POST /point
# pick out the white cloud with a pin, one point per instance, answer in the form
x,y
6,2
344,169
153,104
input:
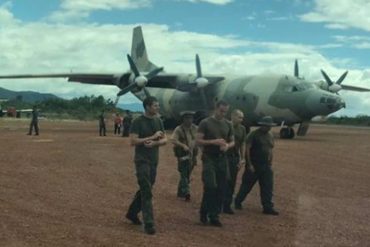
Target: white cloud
x,y
72,10
341,14
103,4
218,2
59,48
358,42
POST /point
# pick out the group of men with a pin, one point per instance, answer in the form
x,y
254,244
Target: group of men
x,y
119,123
226,148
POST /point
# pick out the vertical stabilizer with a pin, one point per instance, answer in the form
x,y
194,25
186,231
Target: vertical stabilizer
x,y
138,51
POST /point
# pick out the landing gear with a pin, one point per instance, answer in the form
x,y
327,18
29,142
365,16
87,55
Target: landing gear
x,y
287,133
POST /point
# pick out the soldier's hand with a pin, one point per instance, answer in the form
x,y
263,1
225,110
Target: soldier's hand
x,y
149,144
224,147
158,135
251,168
220,142
186,148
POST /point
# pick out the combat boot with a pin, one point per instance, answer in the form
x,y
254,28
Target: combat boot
x,y
149,229
270,211
133,218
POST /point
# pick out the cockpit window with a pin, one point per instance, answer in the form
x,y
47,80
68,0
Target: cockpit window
x,y
299,87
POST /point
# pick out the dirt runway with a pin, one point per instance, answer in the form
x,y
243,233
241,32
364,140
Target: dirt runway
x,y
70,187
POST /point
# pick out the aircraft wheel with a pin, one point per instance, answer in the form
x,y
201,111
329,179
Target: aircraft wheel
x,y
284,133
287,133
291,133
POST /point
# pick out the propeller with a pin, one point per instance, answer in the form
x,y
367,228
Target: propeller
x,y
200,81
334,87
138,81
296,69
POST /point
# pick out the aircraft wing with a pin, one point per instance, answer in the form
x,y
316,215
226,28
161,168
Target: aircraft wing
x,y
353,88
171,81
104,79
179,82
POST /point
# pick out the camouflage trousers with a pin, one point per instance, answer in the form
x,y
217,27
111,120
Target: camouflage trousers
x,y
214,182
185,168
233,162
265,178
146,172
34,125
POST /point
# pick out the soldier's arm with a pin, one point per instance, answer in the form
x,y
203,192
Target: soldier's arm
x,y
175,140
161,141
202,142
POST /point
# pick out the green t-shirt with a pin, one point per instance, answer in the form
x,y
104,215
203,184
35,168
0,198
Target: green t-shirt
x,y
212,128
240,136
145,127
261,145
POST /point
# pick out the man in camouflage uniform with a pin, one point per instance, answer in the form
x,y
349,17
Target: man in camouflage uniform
x,y
34,122
147,134
259,145
216,136
236,158
185,150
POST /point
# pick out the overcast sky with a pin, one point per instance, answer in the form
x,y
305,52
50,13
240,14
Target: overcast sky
x,y
231,36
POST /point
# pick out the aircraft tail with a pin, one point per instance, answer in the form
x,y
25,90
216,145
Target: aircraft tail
x,y
138,51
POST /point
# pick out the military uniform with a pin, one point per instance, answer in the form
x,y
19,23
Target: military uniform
x,y
146,161
214,166
34,123
233,156
185,160
261,145
102,129
126,125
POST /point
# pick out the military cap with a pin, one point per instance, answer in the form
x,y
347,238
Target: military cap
x,y
186,113
266,121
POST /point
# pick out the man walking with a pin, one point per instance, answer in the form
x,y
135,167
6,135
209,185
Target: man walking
x,y
147,134
185,150
235,157
216,136
258,155
34,122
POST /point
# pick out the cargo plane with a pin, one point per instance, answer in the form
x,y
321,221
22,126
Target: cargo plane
x,y
289,99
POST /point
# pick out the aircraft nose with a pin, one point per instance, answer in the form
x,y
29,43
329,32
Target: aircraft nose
x,y
324,104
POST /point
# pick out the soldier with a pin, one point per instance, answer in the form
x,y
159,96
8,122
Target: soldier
x,y
235,157
102,130
147,134
126,124
185,151
34,122
259,145
216,136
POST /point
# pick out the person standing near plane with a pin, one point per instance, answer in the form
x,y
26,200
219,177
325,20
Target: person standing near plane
x,y
216,136
117,124
102,129
34,122
259,145
126,124
185,150
235,157
147,134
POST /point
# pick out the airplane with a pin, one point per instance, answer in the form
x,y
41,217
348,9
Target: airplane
x,y
289,100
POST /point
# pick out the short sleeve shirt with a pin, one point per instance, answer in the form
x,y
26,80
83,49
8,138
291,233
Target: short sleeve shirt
x,y
145,127
240,136
212,128
261,145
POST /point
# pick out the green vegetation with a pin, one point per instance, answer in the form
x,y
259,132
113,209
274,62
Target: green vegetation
x,y
82,108
360,120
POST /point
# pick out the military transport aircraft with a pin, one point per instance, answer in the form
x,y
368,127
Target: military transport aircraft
x,y
288,99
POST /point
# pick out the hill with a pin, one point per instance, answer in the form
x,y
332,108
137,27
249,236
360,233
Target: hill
x,y
25,96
